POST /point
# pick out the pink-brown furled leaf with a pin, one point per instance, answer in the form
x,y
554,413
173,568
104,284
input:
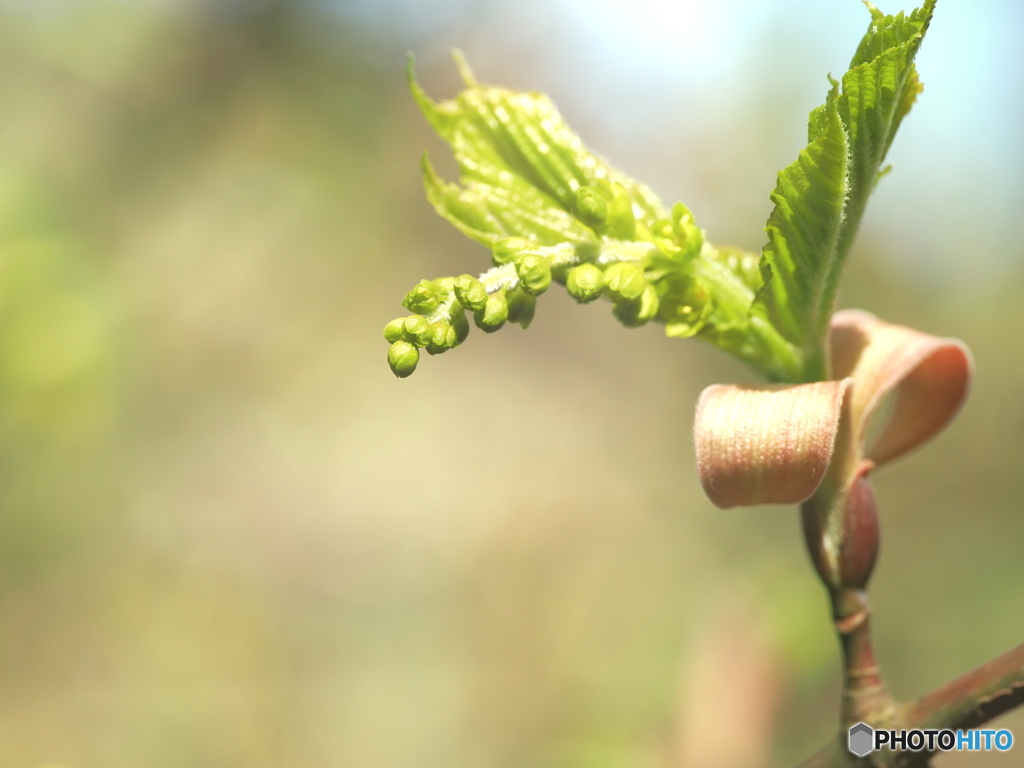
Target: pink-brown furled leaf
x,y
929,378
767,444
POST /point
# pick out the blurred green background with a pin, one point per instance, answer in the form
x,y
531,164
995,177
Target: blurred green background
x,y
229,537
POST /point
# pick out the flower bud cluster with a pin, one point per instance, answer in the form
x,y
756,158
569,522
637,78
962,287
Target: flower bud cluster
x,y
438,321
643,269
522,271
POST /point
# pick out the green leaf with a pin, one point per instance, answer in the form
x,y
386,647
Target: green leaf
x,y
489,213
820,199
521,168
805,226
878,91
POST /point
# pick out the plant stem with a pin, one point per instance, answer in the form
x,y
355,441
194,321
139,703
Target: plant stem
x,y
841,531
973,699
865,696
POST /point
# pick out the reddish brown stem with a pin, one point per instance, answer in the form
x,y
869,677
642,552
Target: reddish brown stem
x,y
970,700
865,696
842,534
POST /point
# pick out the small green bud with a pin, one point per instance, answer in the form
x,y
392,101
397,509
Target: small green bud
x,y
685,307
521,307
664,236
662,228
470,292
526,315
395,330
606,207
621,222
403,357
424,298
534,274
442,338
637,312
493,315
627,312
508,250
418,330
461,326
689,236
585,282
590,207
649,304
625,281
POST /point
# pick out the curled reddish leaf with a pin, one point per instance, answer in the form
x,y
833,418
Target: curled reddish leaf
x,y
766,445
928,376
774,444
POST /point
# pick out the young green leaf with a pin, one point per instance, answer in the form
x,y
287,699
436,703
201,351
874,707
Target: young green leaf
x,y
522,168
804,229
820,198
878,91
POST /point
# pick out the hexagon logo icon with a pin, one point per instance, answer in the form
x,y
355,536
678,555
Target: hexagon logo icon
x,y
861,739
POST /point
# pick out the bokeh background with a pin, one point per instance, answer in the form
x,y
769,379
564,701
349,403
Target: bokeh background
x,y
229,537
